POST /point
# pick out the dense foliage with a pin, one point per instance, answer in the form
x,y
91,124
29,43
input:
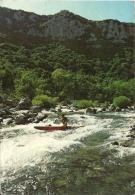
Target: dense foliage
x,y
55,70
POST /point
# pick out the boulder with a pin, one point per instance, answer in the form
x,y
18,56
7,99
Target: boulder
x,y
1,119
111,107
90,110
24,112
36,108
52,110
41,117
118,109
58,109
103,109
24,104
133,107
2,112
56,121
20,119
12,110
73,108
9,103
30,120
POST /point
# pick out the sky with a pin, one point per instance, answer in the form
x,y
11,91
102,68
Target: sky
x,y
124,11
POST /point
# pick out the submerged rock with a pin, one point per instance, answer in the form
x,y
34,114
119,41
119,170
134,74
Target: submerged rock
x,y
127,143
133,128
115,143
8,121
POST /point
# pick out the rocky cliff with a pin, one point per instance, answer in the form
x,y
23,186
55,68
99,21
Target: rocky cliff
x,y
63,26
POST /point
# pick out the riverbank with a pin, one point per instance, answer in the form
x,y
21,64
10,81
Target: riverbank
x,y
22,112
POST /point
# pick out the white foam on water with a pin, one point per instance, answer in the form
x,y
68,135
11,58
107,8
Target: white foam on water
x,y
32,146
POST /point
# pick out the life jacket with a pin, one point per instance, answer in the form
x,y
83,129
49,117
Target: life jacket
x,y
64,119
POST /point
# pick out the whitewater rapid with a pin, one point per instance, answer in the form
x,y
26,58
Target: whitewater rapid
x,y
23,145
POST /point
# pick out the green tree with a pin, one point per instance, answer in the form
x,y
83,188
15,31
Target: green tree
x,y
6,74
62,82
26,84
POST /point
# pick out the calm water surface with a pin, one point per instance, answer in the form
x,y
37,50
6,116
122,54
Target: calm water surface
x,y
75,162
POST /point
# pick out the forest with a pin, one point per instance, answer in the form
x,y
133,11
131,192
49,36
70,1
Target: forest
x,y
57,71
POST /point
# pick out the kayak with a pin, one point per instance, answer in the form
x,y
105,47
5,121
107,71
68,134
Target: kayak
x,y
53,128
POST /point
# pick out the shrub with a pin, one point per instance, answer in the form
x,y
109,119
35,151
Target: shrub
x,y
105,104
85,103
44,100
121,102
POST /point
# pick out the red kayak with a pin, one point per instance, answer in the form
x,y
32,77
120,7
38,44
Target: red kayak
x,y
53,128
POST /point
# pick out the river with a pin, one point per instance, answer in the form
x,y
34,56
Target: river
x,y
74,162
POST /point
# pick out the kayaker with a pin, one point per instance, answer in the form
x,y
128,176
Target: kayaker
x,y
64,120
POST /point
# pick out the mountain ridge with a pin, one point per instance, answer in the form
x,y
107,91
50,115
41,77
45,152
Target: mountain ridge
x,y
64,25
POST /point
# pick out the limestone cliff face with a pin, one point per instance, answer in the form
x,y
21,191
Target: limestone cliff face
x,y
64,25
116,30
61,26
